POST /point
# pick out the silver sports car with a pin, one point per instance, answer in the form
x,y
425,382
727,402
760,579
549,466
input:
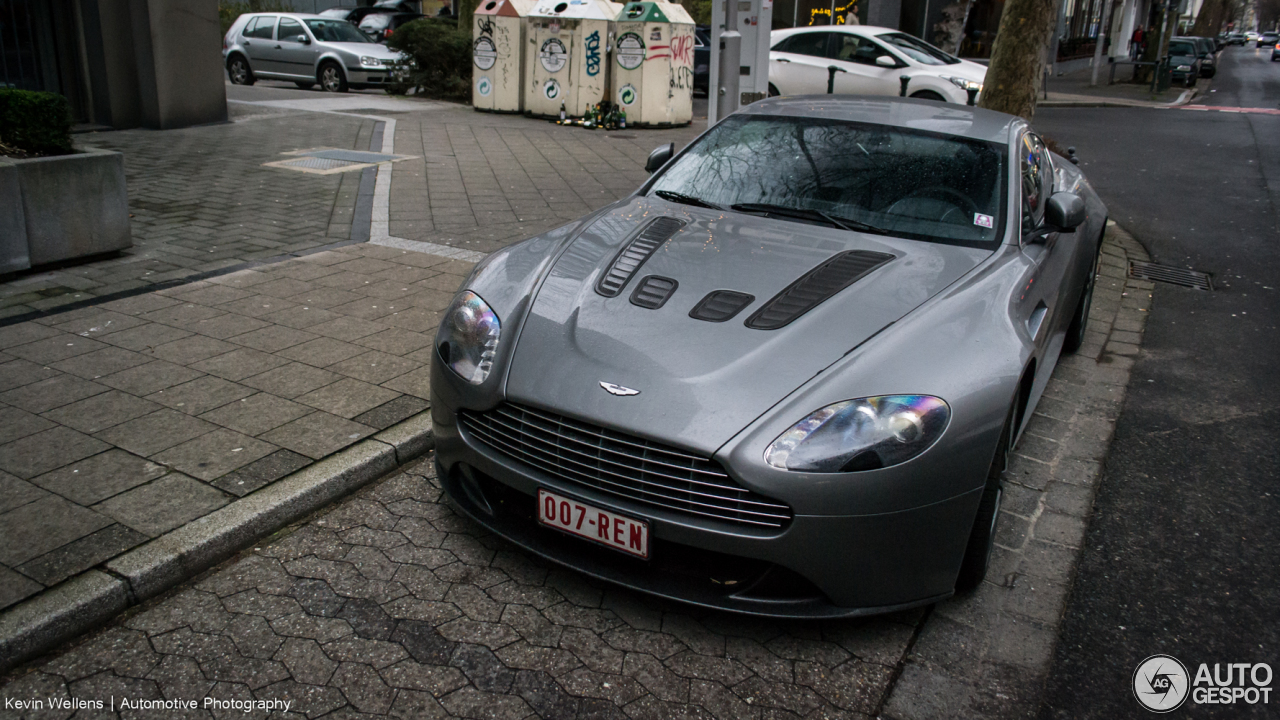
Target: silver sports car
x,y
784,376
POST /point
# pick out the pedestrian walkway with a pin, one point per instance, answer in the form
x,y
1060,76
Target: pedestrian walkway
x,y
1074,89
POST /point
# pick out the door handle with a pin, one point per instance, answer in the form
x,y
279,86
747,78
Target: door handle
x,y
278,47
783,60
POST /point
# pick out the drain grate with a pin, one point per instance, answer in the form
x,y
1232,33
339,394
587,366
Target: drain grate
x,y
326,161
1171,275
318,163
354,156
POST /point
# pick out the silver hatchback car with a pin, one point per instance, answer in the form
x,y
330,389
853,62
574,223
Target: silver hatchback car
x,y
306,49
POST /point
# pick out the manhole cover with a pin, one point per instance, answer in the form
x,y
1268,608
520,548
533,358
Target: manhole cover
x,y
1172,275
319,163
354,156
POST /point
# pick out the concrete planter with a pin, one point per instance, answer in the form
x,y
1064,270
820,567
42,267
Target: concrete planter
x,y
60,208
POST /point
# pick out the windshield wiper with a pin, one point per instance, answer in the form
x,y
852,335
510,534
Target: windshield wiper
x,y
810,214
686,199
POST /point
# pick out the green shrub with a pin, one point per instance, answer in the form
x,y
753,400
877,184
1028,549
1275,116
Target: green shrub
x,y
229,10
35,122
439,59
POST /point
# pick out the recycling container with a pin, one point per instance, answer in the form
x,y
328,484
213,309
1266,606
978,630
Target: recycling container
x,y
497,85
566,55
653,64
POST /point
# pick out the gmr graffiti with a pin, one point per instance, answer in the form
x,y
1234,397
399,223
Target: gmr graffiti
x,y
593,53
682,50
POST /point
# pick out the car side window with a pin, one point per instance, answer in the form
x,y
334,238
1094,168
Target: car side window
x,y
261,27
810,43
1037,181
290,29
851,48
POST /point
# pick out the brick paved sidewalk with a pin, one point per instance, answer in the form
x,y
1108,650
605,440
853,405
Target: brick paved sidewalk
x,y
392,605
122,421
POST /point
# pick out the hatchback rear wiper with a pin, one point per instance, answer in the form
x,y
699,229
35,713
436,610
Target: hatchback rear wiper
x,y
810,214
686,199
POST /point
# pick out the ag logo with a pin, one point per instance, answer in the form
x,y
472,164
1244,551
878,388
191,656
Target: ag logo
x,y
1161,683
551,89
485,53
484,86
627,95
553,55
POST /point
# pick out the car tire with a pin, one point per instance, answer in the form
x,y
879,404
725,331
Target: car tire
x,y
304,85
773,90
928,95
331,78
982,539
239,71
1080,320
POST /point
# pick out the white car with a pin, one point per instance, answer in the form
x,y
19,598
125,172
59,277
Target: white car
x,y
873,60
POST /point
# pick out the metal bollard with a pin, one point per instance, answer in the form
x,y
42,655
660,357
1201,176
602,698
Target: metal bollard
x,y
973,96
831,78
904,80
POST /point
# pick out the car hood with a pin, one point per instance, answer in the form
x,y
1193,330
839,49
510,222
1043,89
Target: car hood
x,y
702,382
382,52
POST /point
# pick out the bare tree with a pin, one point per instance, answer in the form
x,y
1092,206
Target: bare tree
x,y
1210,20
1017,58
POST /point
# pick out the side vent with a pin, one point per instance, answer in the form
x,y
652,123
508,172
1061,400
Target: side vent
x,y
833,275
653,292
635,253
720,305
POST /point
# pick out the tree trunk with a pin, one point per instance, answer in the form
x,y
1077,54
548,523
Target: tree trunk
x,y
1209,20
1017,58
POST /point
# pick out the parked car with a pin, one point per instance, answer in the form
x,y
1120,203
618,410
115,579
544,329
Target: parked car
x,y
870,61
702,59
1268,39
1206,50
1184,61
812,420
306,49
381,26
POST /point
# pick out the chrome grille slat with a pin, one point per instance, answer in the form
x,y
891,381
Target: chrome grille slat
x,y
647,461
622,465
533,448
646,496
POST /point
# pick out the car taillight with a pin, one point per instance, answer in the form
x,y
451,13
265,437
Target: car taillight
x,y
387,33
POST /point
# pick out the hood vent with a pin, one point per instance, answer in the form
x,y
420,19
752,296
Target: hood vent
x,y
653,292
720,305
833,275
635,253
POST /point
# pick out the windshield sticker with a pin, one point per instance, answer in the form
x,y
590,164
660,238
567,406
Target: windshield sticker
x,y
985,221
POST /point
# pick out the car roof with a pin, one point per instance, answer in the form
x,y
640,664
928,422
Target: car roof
x,y
867,30
300,16
928,115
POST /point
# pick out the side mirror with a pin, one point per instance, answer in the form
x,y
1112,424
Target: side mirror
x,y
885,61
659,157
1064,212
304,39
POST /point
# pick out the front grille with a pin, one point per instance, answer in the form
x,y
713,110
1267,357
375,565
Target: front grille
x,y
622,465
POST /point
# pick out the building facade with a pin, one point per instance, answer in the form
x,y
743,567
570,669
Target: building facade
x,y
120,63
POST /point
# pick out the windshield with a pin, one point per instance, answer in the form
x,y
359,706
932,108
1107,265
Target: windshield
x,y
376,21
918,50
908,183
1181,48
336,31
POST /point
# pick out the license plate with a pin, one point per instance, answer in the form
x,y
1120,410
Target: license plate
x,y
591,523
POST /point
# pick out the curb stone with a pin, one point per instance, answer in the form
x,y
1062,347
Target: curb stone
x,y
88,600
988,654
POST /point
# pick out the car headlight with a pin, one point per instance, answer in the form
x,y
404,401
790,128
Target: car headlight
x,y
965,84
366,61
1183,68
864,434
468,337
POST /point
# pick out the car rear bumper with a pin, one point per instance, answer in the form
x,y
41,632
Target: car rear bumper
x,y
814,567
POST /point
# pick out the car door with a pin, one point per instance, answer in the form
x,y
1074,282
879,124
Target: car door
x,y
293,56
798,64
1047,298
259,36
856,56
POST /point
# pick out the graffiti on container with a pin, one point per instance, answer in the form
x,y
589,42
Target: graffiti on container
x,y
682,49
681,78
592,45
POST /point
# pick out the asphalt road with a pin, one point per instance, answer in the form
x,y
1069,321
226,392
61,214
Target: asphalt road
x,y
1181,555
